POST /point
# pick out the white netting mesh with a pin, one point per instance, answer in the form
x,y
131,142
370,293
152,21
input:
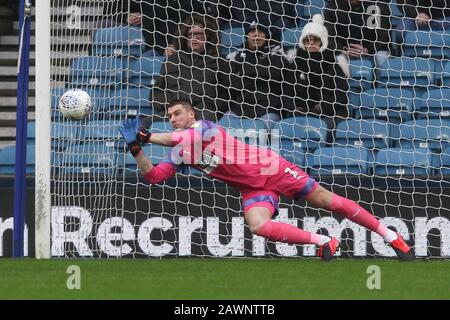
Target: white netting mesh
x,y
368,117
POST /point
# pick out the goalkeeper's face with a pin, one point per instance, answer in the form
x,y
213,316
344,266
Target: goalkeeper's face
x,y
181,117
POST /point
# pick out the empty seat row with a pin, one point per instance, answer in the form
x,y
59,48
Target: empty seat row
x,y
107,71
398,105
102,159
306,133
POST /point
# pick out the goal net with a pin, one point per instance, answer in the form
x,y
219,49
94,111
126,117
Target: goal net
x,y
367,117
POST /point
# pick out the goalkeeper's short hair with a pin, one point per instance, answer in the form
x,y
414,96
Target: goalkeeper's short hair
x,y
184,103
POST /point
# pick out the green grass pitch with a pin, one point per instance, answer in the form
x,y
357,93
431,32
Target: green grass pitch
x,y
223,279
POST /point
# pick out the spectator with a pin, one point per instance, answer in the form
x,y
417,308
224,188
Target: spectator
x,y
425,14
195,73
355,28
159,19
319,79
257,77
274,15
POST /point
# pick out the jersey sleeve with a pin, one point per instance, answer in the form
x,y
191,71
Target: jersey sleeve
x,y
164,170
160,172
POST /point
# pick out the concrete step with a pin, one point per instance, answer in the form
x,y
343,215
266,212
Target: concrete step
x,y
9,120
12,85
62,25
60,40
8,142
9,88
9,58
11,71
9,132
16,26
9,102
13,55
94,10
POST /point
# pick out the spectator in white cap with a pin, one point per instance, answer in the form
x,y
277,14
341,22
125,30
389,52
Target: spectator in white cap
x,y
317,78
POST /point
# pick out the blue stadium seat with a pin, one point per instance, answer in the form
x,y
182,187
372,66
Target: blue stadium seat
x,y
307,133
31,131
428,44
54,101
441,162
252,131
231,39
407,72
143,72
391,104
101,130
299,8
341,160
361,74
236,122
8,159
401,161
433,134
434,104
96,158
312,7
445,72
363,133
64,133
291,36
161,126
293,152
155,152
117,41
395,10
93,71
135,100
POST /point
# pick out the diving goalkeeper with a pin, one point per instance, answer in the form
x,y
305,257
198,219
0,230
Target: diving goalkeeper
x,y
261,176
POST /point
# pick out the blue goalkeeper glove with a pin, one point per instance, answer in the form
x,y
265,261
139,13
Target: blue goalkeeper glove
x,y
129,131
134,135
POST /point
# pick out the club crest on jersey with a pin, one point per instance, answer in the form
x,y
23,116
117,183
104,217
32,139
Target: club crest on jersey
x,y
208,162
294,173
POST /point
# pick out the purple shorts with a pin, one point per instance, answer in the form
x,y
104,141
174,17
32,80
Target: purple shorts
x,y
290,181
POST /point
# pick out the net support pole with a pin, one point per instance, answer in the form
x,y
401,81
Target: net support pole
x,y
43,127
23,65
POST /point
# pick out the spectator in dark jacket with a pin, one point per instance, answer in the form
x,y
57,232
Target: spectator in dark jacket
x,y
359,27
159,18
257,77
195,73
425,14
319,80
272,14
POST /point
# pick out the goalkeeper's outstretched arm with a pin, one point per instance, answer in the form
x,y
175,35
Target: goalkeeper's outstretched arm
x,y
154,174
144,164
134,137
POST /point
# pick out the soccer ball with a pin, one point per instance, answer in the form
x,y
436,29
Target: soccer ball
x,y
75,104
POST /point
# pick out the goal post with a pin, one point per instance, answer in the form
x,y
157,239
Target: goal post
x,y
389,154
43,136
